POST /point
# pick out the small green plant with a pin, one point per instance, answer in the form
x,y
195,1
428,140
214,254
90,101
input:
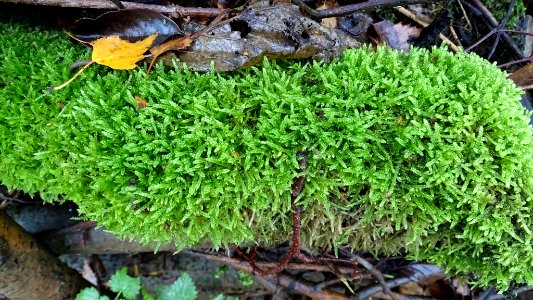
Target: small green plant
x,y
428,153
129,288
245,278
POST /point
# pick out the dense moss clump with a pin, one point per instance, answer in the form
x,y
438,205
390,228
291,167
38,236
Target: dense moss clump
x,y
427,152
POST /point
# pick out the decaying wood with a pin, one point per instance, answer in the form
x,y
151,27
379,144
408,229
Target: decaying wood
x,y
28,271
174,11
90,240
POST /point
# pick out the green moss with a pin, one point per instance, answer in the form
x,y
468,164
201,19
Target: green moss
x,y
499,9
428,152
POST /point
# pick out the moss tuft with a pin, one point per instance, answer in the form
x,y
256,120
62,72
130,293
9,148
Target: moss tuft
x,y
427,152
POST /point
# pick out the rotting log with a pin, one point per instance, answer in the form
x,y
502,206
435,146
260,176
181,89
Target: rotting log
x,y
28,271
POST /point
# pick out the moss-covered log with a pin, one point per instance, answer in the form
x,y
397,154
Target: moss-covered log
x,y
427,152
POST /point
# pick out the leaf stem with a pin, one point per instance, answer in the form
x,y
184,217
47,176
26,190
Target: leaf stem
x,y
52,89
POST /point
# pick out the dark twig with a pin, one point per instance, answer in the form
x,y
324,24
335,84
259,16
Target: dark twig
x,y
518,61
174,11
352,8
481,40
14,199
295,247
518,32
493,23
502,25
316,266
377,274
282,279
486,36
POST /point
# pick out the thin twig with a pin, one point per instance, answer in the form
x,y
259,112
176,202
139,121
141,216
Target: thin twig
x,y
492,32
481,40
13,199
492,22
377,274
174,11
502,25
464,13
455,36
290,266
518,32
282,279
514,62
352,8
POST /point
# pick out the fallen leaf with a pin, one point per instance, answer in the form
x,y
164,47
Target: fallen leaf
x,y
523,77
141,103
327,22
115,53
171,45
406,33
129,24
120,54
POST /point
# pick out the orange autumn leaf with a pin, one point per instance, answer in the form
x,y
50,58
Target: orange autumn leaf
x,y
115,53
176,44
120,54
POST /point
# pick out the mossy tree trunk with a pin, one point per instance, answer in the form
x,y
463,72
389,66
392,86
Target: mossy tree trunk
x,y
28,271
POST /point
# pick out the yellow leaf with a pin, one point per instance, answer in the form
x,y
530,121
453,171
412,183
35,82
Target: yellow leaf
x,y
113,52
120,54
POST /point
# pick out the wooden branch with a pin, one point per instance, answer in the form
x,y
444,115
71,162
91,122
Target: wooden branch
x,y
352,8
174,11
29,271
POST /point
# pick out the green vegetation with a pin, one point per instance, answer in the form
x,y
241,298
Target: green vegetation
x,y
428,152
129,288
499,9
